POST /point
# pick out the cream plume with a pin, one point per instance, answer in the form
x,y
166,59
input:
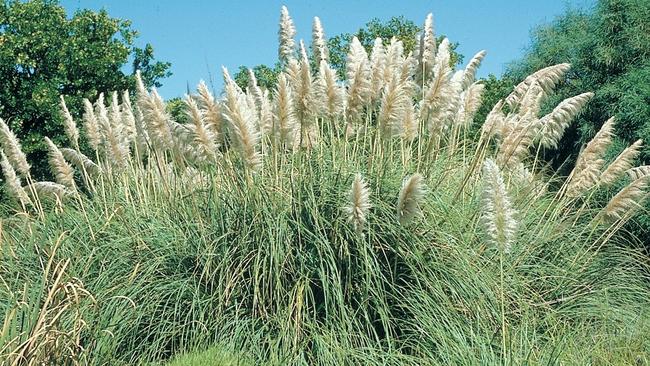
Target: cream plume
x,y
623,162
14,186
393,108
81,161
91,125
204,141
638,172
211,110
469,75
13,150
555,123
470,102
330,93
547,78
586,172
318,42
242,122
497,213
69,126
286,125
410,123
626,201
410,198
286,36
60,168
358,73
427,51
358,203
48,190
128,118
377,66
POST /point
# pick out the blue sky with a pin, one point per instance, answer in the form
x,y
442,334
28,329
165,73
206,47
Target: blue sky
x,y
198,36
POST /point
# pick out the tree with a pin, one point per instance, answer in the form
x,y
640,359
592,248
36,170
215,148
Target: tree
x,y
399,27
45,54
609,50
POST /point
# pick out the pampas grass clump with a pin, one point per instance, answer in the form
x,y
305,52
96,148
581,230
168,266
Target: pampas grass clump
x,y
250,227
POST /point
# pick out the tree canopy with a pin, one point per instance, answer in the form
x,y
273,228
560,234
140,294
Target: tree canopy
x,y
609,51
44,54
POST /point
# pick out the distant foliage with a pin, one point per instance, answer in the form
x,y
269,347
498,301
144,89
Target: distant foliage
x,y
44,54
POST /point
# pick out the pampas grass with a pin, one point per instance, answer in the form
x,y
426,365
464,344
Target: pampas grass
x,y
638,172
13,150
626,201
497,212
61,170
242,122
623,162
227,222
410,199
555,123
69,125
12,182
318,42
358,203
586,172
286,36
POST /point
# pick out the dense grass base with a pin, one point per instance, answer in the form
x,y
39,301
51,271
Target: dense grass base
x,y
268,265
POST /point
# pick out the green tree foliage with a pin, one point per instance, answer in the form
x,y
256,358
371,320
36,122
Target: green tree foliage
x,y
266,76
44,54
609,50
399,27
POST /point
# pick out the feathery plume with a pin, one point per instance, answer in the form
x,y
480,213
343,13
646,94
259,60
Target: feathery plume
x,y
469,74
266,114
14,186
547,78
81,161
242,122
470,102
555,123
286,36
48,190
318,42
358,203
211,110
410,198
69,126
59,166
586,172
409,123
91,125
626,201
494,121
156,121
427,51
638,172
330,94
128,118
286,124
203,143
358,73
393,108
497,213
622,163
13,150
255,90
377,66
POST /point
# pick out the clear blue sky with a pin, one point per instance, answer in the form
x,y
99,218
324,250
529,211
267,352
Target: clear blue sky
x,y
198,36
